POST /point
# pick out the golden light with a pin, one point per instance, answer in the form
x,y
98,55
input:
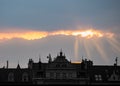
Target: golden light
x,y
87,33
24,35
75,62
32,35
100,49
76,46
87,44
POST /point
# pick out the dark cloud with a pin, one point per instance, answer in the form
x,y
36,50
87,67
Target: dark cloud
x,y
54,14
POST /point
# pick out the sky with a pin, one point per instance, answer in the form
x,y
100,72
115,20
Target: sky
x,y
81,28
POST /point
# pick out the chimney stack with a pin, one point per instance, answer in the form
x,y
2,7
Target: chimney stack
x,y
7,64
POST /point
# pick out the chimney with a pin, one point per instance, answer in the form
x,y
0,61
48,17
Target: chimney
x,y
7,64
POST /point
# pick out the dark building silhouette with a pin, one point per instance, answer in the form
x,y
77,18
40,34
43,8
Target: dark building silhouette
x,y
61,71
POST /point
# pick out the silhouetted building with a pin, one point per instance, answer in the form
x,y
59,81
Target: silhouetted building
x,y
60,71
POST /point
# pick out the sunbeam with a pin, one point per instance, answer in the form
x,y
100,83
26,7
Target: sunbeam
x,y
114,44
87,44
99,46
76,47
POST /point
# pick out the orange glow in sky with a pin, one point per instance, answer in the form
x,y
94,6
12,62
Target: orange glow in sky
x,y
76,62
24,35
32,35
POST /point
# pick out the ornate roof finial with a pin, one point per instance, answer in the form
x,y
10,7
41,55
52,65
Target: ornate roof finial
x,y
61,52
39,58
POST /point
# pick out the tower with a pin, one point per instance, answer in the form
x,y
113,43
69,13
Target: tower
x,y
30,63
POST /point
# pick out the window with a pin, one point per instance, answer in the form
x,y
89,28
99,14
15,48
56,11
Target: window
x,y
11,77
25,77
98,77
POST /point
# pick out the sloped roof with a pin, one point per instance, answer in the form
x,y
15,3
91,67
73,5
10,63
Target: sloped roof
x,y
61,59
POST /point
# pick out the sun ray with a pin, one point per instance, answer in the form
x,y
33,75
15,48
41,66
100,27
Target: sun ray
x,y
76,47
114,44
86,44
99,46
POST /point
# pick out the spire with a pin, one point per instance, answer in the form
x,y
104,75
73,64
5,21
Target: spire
x,y
116,61
50,59
39,58
61,52
30,63
18,66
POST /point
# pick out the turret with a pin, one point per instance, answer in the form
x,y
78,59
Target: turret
x,y
39,63
30,63
86,64
116,61
61,53
49,58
